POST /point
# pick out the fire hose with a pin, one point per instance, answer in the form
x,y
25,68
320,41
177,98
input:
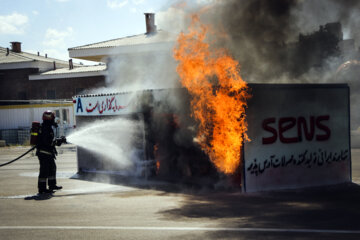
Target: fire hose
x,y
57,141
4,164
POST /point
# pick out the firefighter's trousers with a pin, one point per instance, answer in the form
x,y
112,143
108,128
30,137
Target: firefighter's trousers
x,y
47,172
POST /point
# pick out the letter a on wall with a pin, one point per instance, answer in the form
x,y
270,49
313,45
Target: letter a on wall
x,y
79,105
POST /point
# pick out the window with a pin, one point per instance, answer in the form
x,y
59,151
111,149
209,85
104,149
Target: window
x,y
65,116
50,94
57,113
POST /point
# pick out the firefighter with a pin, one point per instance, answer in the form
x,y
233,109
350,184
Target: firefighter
x,y
46,153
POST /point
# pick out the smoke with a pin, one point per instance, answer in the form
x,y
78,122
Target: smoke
x,y
263,35
349,15
174,19
154,68
289,41
275,41
148,70
257,32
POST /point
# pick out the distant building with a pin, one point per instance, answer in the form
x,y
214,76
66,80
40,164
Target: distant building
x,y
29,80
27,76
31,83
15,68
64,83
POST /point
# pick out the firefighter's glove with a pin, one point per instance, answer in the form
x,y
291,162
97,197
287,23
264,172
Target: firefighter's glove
x,y
60,140
63,139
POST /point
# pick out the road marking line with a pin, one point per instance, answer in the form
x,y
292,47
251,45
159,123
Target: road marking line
x,y
15,197
280,230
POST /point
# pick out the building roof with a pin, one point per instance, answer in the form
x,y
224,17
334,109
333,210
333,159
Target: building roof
x,y
82,71
94,68
14,57
130,44
14,60
159,36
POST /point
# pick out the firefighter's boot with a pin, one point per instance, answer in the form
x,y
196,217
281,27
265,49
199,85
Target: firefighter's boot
x,y
55,187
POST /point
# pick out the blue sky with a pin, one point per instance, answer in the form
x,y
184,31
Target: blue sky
x,y
53,26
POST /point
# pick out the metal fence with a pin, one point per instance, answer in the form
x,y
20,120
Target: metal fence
x,y
10,136
21,136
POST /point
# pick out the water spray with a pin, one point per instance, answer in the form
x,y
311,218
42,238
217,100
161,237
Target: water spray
x,y
113,139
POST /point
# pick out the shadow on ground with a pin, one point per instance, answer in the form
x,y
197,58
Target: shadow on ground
x,y
190,187
332,208
39,197
322,208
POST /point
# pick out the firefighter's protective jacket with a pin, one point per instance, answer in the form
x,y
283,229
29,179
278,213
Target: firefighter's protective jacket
x,y
46,144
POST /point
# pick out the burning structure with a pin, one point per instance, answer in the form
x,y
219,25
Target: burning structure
x,y
260,136
290,147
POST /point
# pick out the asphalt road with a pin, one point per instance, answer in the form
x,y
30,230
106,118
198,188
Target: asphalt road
x,y
147,210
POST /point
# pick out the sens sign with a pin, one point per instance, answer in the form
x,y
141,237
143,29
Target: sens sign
x,y
299,136
303,127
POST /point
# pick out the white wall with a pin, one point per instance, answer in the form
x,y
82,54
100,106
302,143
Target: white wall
x,y
18,116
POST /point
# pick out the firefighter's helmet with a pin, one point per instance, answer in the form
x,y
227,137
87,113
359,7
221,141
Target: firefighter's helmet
x,y
48,116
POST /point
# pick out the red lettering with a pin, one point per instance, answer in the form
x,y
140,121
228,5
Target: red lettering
x,y
266,127
303,127
309,135
321,126
285,124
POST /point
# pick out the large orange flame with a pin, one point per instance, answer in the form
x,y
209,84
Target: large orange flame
x,y
218,93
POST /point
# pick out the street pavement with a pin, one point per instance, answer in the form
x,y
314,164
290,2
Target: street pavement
x,y
140,209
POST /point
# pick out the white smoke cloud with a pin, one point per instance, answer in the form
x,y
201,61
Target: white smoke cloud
x,y
172,19
152,70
